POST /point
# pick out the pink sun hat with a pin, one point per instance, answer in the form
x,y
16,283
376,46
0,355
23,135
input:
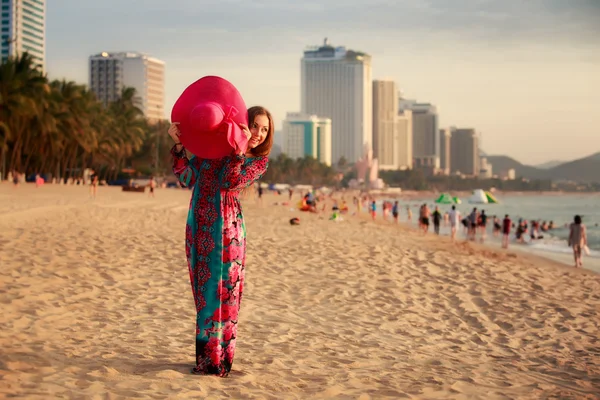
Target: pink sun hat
x,y
208,112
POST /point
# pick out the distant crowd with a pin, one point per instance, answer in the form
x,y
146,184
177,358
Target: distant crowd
x,y
474,224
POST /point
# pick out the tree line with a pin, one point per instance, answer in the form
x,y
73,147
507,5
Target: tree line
x,y
59,128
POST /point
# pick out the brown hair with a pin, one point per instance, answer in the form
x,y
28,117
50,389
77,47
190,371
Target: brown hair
x,y
263,149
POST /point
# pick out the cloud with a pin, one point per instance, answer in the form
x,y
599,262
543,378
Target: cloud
x,y
475,19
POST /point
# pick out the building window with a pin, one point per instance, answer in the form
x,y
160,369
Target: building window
x,y
34,7
33,28
39,22
41,39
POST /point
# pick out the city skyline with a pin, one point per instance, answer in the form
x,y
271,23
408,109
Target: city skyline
x,y
517,73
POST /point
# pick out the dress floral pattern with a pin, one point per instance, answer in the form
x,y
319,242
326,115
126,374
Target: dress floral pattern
x,y
215,247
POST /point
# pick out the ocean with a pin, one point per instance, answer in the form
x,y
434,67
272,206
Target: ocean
x,y
558,208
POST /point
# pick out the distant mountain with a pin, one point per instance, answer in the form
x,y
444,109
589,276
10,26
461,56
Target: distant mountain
x,y
583,170
501,164
549,164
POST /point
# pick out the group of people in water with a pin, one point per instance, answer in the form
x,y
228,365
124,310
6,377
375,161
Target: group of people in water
x,y
474,224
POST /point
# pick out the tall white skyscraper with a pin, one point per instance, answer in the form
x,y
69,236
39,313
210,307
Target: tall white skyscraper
x,y
111,72
23,29
307,135
337,83
386,145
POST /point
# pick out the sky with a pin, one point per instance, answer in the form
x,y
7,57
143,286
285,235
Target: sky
x,y
525,74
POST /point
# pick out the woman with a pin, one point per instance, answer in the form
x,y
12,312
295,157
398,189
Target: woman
x,y
215,234
577,239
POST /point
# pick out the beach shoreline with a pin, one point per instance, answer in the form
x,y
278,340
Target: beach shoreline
x,y
96,304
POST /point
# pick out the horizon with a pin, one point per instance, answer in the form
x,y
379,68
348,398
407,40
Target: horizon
x,y
517,73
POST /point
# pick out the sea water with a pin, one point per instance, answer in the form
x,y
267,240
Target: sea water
x,y
559,208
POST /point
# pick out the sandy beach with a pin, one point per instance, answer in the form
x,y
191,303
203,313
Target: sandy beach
x,y
96,304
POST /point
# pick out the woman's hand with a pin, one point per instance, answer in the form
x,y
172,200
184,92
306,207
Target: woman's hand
x,y
246,131
248,134
174,132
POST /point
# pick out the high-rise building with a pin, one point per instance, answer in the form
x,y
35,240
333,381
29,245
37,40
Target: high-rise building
x,y
426,141
307,135
23,27
464,152
445,137
110,73
336,83
405,140
385,124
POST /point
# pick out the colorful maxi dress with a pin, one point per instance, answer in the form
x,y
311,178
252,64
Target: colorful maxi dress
x,y
215,246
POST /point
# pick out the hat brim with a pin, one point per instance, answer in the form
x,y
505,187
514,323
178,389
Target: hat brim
x,y
221,142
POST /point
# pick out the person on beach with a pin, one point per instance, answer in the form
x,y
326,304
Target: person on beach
x,y
520,231
408,214
454,216
16,177
506,225
483,225
215,238
373,210
534,230
259,193
425,217
94,185
152,186
395,211
473,219
437,218
497,226
466,226
577,239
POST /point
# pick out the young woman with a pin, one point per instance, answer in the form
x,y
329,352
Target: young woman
x,y
215,235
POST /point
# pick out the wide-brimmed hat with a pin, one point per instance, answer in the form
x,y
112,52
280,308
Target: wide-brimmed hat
x,y
208,112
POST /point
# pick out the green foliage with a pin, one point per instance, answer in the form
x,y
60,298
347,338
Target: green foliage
x,y
306,171
60,128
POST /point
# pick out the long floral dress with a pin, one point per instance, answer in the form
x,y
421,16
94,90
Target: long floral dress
x,y
215,247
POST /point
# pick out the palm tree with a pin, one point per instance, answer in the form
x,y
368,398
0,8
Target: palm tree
x,y
22,88
129,127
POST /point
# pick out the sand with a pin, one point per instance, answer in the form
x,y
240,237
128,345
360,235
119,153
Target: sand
x,y
96,304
